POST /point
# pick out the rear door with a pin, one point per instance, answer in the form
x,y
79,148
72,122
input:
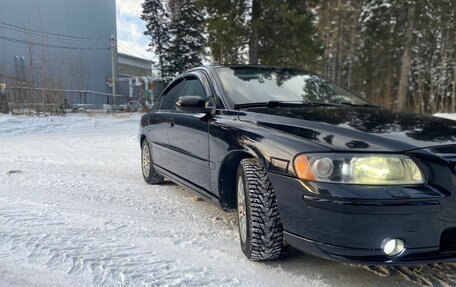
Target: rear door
x,y
188,137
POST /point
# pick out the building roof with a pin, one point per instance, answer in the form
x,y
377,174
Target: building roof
x,y
134,61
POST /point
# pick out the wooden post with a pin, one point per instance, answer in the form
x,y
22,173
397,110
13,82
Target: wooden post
x,y
3,99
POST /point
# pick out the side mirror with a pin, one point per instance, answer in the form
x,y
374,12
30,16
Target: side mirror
x,y
190,102
193,104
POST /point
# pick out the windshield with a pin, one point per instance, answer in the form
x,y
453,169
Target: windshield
x,y
263,84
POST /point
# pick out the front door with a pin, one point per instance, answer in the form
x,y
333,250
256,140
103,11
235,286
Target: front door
x,y
188,149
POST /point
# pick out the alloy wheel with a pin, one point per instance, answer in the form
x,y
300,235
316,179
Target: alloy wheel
x,y
241,210
145,160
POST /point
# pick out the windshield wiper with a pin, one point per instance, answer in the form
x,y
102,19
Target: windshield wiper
x,y
268,104
358,105
273,104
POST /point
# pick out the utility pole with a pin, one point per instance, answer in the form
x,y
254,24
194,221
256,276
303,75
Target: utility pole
x,y
113,68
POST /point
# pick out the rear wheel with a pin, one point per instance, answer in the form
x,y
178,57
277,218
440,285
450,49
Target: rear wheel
x,y
260,227
149,174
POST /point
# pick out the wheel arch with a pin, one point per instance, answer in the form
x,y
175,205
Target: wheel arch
x,y
227,174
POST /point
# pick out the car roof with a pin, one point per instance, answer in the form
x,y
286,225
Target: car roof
x,y
215,65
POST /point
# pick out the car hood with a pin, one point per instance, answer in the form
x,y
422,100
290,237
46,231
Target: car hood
x,y
356,129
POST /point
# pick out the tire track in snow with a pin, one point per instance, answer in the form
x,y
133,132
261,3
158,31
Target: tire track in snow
x,y
109,260
424,275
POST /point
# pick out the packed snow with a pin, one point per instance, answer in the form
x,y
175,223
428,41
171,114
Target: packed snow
x,y
75,211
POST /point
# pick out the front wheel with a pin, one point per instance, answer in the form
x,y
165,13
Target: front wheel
x,y
149,173
260,227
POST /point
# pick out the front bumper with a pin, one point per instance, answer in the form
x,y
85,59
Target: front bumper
x,y
352,229
368,256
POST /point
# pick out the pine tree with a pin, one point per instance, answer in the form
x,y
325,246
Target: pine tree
x,y
387,33
338,26
380,46
186,32
408,53
157,22
277,32
432,80
226,28
287,35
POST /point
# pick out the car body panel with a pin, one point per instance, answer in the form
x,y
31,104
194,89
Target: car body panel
x,y
188,149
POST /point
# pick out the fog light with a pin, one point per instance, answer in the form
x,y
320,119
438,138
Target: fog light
x,y
394,247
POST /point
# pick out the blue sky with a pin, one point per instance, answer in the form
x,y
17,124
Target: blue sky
x,y
130,29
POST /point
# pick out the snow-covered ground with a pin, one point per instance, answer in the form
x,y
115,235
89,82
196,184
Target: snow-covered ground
x,y
75,211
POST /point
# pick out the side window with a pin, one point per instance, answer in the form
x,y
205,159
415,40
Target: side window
x,y
193,87
170,98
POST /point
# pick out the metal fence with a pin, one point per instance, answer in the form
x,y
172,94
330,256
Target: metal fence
x,y
25,100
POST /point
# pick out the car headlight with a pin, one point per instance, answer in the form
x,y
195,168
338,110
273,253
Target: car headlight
x,y
364,169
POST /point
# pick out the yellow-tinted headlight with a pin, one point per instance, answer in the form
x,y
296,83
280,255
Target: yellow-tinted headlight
x,y
384,170
364,169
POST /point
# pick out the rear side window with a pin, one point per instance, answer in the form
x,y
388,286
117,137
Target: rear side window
x,y
170,98
193,87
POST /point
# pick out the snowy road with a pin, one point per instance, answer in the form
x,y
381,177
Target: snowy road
x,y
74,211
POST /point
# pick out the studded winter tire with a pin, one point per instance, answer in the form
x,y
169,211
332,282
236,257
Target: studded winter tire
x,y
260,227
149,174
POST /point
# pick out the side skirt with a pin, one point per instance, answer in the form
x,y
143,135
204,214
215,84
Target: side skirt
x,y
192,187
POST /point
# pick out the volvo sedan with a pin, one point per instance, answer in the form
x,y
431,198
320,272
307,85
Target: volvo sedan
x,y
307,162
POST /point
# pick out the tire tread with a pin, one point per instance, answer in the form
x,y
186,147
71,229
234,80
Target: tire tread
x,y
266,226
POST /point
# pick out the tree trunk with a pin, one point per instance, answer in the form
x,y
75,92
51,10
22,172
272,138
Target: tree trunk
x,y
389,88
420,95
352,40
453,96
339,45
406,61
443,65
254,33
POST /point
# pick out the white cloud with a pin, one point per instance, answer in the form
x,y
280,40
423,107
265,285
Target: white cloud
x,y
130,29
131,8
135,34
